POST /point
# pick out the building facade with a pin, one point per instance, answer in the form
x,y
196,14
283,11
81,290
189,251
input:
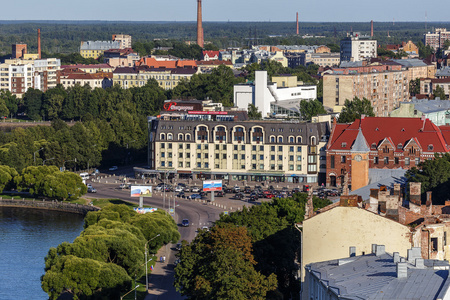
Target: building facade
x,y
355,49
214,145
123,39
436,40
380,143
94,49
384,86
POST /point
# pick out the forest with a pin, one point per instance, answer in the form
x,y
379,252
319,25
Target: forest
x,y
66,36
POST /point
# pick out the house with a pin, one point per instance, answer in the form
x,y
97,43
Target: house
x,y
210,55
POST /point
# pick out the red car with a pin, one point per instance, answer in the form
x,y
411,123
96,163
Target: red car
x,y
268,194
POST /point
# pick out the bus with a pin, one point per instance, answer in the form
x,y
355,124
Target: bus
x,y
84,176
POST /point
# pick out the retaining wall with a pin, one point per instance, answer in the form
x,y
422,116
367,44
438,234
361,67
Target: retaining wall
x,y
49,205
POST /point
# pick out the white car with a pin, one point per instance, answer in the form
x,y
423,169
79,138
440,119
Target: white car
x,y
113,168
195,189
179,189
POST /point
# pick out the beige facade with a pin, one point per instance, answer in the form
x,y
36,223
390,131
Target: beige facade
x,y
285,81
385,90
330,234
279,57
123,39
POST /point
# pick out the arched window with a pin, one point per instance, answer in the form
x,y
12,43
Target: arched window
x,y
169,136
291,139
257,134
163,136
272,139
220,134
299,140
280,139
180,136
313,140
188,136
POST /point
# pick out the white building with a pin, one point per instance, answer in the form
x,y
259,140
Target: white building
x,y
355,49
268,96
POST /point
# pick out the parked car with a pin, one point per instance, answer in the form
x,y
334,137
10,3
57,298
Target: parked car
x,y
178,247
236,189
195,196
247,190
123,186
89,185
253,197
181,195
228,190
185,223
219,194
239,196
296,190
195,189
176,262
91,190
113,168
179,189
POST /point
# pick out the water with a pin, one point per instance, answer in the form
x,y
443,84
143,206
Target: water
x,y
26,235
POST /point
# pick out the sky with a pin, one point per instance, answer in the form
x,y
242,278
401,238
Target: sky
x,y
229,10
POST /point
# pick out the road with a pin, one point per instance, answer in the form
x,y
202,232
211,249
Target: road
x,y
199,215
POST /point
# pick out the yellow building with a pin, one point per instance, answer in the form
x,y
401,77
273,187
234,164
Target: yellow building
x,y
94,49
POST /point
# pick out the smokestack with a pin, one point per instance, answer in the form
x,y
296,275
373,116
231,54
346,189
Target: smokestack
x,y
297,23
199,24
39,43
371,28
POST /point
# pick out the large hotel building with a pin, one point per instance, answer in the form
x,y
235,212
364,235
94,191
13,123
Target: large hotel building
x,y
226,145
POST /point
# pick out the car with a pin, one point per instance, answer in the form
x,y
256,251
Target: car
x,y
185,223
239,196
296,190
179,189
205,228
219,194
247,190
253,197
195,196
195,189
228,190
181,195
178,246
92,190
122,186
89,185
236,189
176,262
113,168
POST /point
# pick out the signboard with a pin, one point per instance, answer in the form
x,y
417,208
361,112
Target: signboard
x,y
180,106
212,185
141,191
144,210
200,112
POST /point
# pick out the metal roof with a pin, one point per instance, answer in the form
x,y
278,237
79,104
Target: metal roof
x,y
381,177
411,62
375,277
444,72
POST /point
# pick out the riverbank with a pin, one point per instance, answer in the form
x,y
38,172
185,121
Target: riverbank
x,y
49,205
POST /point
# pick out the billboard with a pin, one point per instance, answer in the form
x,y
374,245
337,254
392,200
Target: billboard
x,y
144,210
141,191
207,112
212,185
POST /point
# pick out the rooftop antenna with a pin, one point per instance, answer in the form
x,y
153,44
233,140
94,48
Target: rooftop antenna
x,y
393,21
426,19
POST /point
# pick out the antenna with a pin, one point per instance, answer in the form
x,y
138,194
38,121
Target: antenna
x,y
426,19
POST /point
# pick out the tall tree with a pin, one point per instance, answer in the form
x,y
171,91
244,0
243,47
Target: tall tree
x,y
33,101
309,109
439,92
253,112
354,109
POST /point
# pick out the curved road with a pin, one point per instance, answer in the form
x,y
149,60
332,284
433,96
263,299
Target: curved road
x,y
199,215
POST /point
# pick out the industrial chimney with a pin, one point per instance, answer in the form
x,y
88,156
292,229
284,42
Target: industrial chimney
x,y
199,24
297,23
39,43
371,28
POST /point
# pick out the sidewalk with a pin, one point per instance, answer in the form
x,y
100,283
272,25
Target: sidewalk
x,y
160,282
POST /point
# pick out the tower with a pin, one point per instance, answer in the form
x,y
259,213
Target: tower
x,y
199,24
360,161
297,23
371,28
39,43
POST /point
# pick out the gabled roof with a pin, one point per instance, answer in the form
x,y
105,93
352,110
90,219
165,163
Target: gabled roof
x,y
397,130
91,66
168,64
210,53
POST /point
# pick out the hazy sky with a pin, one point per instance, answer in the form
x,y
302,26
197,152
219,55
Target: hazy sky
x,y
224,10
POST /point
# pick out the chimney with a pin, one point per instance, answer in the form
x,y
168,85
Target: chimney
x,y
374,248
429,199
380,250
39,43
397,189
415,192
297,23
396,257
371,28
402,270
420,263
199,24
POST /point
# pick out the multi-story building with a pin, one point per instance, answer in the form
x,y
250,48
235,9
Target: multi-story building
x,y
355,49
95,80
93,68
94,49
123,39
270,98
385,86
216,145
19,50
380,143
18,75
429,85
128,77
436,111
321,59
120,57
436,40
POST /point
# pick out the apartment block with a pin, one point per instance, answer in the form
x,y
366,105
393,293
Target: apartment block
x,y
385,86
436,40
94,49
355,48
123,39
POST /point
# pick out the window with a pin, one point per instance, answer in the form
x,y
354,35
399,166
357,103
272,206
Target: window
x,y
243,148
163,164
299,149
163,136
253,148
373,146
375,160
407,162
188,146
291,167
291,139
272,167
272,157
163,154
434,244
280,167
396,161
224,156
206,147
180,146
169,136
261,157
254,156
261,166
312,168
430,147
417,161
199,146
280,157
235,147
272,148
280,139
253,166
291,157
242,167
386,160
399,146
280,148
235,156
242,156
299,140
206,165
312,159
199,155
188,154
180,164
180,137
206,155
343,159
217,155
224,147
217,147
343,145
291,149
199,165
188,137
261,148
272,139
188,164
299,167
180,155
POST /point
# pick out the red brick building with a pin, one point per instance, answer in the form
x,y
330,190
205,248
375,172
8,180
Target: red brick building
x,y
381,143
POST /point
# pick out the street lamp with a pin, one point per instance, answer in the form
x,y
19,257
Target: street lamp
x,y
43,163
64,163
146,269
34,155
121,298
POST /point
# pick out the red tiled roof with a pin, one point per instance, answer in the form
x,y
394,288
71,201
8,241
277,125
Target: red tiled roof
x,y
214,62
210,53
397,130
92,66
153,63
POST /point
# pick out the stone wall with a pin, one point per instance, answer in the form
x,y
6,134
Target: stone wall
x,y
49,205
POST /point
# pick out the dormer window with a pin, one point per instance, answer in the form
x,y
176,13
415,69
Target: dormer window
x,y
343,145
373,146
430,147
399,146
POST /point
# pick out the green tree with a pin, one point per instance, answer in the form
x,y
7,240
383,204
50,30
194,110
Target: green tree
x,y
414,86
253,112
10,100
309,109
33,101
7,175
354,109
334,47
439,92
220,265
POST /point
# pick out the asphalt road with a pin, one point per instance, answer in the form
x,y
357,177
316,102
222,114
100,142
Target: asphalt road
x,y
197,213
